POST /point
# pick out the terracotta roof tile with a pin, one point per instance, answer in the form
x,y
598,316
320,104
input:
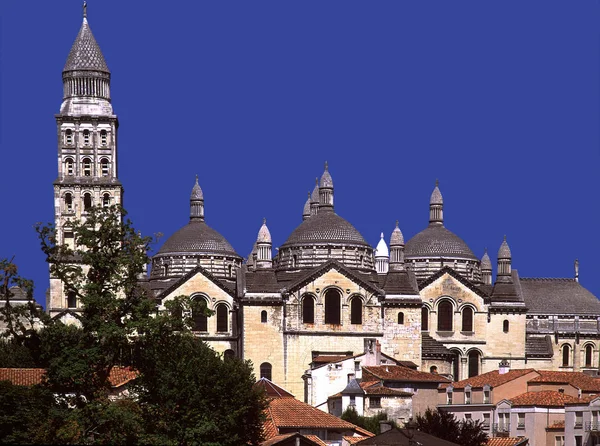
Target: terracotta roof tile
x,y
119,376
353,440
577,379
291,413
273,390
316,439
375,388
507,441
399,373
544,398
558,424
493,378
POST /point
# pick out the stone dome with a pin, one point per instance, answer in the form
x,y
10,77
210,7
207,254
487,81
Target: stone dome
x,y
486,263
435,242
264,235
382,249
197,238
325,228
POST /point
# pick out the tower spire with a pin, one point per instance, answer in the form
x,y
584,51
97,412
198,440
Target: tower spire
x,y
436,207
326,190
264,247
197,202
397,249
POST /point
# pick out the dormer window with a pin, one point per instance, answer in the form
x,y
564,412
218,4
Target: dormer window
x,y
486,395
87,167
86,137
69,137
103,137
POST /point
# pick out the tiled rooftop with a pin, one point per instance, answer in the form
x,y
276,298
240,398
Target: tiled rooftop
x,y
399,373
506,441
544,398
493,378
577,379
29,377
273,390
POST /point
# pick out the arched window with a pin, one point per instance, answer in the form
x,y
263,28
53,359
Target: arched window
x,y
433,369
104,167
229,271
68,202
401,318
445,316
473,363
456,366
332,307
71,299
294,260
356,311
198,316
308,310
106,200
69,136
86,137
263,316
87,201
222,318
425,319
467,319
87,167
69,167
566,355
228,354
589,352
505,326
266,371
103,137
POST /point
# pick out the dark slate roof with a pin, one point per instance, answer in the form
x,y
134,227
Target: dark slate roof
x,y
558,296
325,227
197,238
399,282
538,346
264,281
400,437
437,241
353,388
431,348
85,53
508,292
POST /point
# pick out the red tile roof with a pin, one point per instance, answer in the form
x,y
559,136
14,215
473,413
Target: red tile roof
x,y
400,373
353,440
291,413
326,359
316,439
375,388
544,398
558,424
273,390
29,377
493,379
507,441
577,379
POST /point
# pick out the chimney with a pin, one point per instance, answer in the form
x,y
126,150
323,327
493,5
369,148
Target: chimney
x,y
503,367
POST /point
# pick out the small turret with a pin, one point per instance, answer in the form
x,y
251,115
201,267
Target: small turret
x,y
576,270
486,268
436,207
314,199
382,257
397,249
326,191
264,247
197,202
306,210
504,263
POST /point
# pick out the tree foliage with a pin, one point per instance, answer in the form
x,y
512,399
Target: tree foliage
x,y
445,425
372,424
185,392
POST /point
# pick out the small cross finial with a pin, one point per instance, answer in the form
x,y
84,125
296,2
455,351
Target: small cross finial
x,y
382,235
437,182
264,220
316,181
84,10
196,178
396,223
504,237
326,166
309,195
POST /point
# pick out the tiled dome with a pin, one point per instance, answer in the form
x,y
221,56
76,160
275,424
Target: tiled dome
x,y
197,238
437,241
85,54
325,227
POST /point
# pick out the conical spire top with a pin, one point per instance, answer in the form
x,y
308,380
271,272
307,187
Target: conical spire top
x,y
504,251
436,207
197,202
326,180
436,195
264,235
85,54
382,249
197,193
486,263
397,238
306,210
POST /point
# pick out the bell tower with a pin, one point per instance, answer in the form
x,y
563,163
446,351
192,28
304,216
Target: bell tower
x,y
87,147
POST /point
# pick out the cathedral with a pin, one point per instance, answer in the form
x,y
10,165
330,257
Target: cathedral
x,y
428,300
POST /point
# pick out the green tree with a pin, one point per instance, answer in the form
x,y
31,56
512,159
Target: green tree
x,y
445,425
372,424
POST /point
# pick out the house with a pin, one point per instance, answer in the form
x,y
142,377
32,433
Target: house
x,y
399,437
287,415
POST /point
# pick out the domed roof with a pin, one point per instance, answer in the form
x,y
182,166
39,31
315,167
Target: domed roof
x,y
326,180
436,195
264,236
197,191
486,263
85,53
437,241
504,251
382,249
197,238
396,238
325,227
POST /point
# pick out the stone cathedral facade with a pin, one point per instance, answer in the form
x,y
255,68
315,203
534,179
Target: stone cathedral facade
x,y
428,300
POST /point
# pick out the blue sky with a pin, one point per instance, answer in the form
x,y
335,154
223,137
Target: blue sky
x,y
499,100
